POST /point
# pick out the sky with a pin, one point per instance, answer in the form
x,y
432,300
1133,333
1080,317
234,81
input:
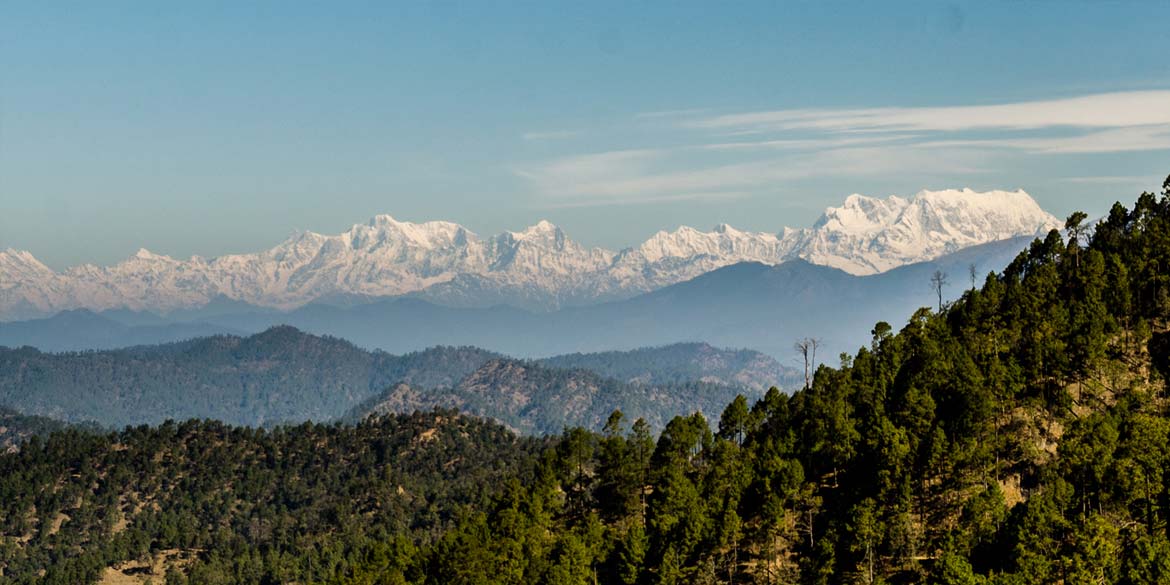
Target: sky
x,y
220,127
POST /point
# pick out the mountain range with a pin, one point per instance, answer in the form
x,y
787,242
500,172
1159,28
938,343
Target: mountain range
x,y
746,305
285,375
538,268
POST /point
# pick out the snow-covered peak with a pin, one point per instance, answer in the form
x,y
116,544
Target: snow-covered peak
x,y
382,219
18,264
723,240
18,256
147,255
542,229
385,230
861,214
867,235
544,251
974,212
962,210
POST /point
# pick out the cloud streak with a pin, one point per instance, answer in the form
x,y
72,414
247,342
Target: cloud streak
x,y
710,196
1106,110
645,176
1140,138
804,143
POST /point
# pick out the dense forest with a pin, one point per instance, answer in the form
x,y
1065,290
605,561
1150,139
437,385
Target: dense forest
x,y
203,502
1020,435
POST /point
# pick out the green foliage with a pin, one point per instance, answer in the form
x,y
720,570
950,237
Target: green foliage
x,y
311,503
15,428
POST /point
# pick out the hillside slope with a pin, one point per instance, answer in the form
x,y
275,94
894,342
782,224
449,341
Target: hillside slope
x,y
532,399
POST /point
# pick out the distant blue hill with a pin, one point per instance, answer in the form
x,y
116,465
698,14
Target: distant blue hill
x,y
285,375
83,329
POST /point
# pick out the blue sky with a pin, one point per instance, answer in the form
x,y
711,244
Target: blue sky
x,y
211,128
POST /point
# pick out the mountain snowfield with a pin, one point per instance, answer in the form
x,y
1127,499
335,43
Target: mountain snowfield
x,y
539,267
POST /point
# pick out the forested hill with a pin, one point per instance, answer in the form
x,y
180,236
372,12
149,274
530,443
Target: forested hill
x,y
680,363
532,399
285,375
1020,435
278,375
201,502
16,428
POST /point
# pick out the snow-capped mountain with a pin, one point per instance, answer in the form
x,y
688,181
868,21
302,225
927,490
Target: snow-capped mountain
x,y
539,267
868,235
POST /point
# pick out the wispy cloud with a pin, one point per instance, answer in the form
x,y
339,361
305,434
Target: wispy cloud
x,y
707,196
1106,110
1133,139
652,175
561,174
805,143
702,156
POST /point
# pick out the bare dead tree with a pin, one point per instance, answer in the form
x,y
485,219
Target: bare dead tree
x,y
802,347
937,281
807,348
1076,231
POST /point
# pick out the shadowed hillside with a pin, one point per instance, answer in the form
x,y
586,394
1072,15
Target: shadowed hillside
x,y
284,375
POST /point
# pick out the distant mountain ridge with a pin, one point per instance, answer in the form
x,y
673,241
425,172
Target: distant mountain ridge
x,y
752,305
747,305
536,268
82,329
285,375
